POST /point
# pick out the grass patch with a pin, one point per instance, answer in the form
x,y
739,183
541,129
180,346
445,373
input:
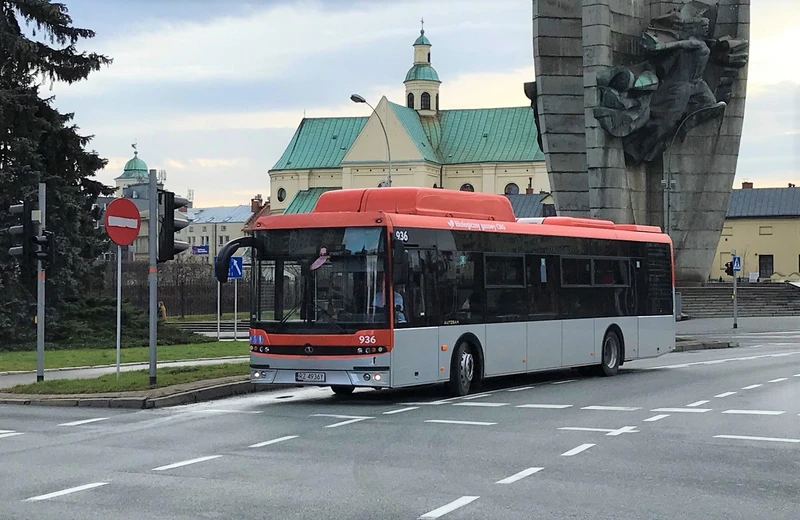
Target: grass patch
x,y
132,381
26,360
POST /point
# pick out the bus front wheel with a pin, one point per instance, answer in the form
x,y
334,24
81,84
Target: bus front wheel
x,y
343,390
463,370
611,354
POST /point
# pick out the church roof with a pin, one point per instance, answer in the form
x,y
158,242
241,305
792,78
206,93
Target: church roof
x,y
482,135
134,169
423,71
422,40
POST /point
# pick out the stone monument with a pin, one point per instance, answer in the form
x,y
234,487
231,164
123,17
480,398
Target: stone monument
x,y
640,106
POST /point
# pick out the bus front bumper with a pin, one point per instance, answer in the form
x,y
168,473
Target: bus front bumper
x,y
379,377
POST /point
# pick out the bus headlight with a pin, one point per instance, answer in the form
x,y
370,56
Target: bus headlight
x,y
377,377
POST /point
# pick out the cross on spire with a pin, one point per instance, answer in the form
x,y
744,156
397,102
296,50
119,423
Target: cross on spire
x,y
422,22
134,146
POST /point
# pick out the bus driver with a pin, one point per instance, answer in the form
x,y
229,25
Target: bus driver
x,y
399,307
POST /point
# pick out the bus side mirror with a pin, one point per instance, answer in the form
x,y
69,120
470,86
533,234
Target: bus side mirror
x,y
399,263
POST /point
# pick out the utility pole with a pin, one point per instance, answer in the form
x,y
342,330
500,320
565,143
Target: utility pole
x,y
735,276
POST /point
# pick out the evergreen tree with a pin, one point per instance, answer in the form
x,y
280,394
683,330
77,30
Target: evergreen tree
x,y
39,144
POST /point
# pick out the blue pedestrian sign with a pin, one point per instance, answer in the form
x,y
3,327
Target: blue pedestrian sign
x,y
737,264
235,267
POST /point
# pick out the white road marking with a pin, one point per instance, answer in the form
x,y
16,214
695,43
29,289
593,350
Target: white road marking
x,y
452,506
473,423
186,463
657,417
66,491
565,381
476,396
575,451
273,441
612,408
484,404
10,434
748,438
520,389
519,476
796,375
682,410
6,431
350,419
751,387
85,421
755,412
747,358
696,404
401,410
725,394
607,431
227,411
778,380
545,406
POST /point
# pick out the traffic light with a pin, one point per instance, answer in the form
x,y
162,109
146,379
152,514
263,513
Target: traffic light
x,y
46,247
168,247
729,268
25,230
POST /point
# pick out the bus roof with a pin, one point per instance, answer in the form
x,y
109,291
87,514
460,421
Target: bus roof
x,y
412,205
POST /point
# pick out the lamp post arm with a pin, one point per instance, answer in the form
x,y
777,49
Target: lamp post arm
x,y
388,148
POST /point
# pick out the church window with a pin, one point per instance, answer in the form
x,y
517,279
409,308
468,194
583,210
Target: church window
x,y
512,189
437,101
410,100
426,101
467,187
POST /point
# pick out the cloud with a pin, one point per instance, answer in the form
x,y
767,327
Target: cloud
x,y
220,163
172,163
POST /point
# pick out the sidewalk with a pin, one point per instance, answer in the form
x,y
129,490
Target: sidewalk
x,y
12,379
713,326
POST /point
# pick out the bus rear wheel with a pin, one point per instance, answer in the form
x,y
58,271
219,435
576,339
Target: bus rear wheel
x,y
611,354
463,371
342,390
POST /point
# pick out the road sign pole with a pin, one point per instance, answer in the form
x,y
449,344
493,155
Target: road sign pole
x,y
153,276
235,309
40,275
219,286
735,296
119,304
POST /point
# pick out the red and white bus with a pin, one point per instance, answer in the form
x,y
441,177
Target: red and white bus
x,y
396,287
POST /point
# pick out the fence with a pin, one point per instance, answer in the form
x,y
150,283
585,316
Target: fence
x,y
185,288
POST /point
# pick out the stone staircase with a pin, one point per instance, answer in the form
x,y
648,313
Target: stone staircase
x,y
754,299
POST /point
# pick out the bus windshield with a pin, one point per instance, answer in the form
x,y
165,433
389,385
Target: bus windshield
x,y
321,281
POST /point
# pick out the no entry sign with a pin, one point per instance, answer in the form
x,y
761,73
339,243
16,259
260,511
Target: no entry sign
x,y
122,222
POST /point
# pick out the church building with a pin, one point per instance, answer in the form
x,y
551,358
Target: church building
x,y
489,150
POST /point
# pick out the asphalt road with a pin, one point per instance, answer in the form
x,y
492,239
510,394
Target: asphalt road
x,y
696,435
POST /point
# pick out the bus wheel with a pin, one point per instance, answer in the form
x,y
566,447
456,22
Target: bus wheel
x,y
462,371
611,354
343,390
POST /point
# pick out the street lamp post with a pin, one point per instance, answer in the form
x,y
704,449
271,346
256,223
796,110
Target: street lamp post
x,y
355,98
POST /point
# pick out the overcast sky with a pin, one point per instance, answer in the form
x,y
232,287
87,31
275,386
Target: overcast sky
x,y
213,90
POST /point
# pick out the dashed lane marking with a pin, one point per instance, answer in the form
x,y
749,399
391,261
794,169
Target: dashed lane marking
x,y
350,419
657,417
520,389
483,404
447,508
750,387
746,358
468,423
748,438
476,396
519,476
186,463
66,491
778,380
85,421
755,412
575,451
9,434
219,410
612,408
545,406
607,431
696,404
682,410
564,382
401,410
273,441
725,394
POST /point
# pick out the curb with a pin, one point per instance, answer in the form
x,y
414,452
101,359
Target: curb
x,y
688,346
136,363
196,395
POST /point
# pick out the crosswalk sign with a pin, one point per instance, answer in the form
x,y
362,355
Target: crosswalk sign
x,y
737,263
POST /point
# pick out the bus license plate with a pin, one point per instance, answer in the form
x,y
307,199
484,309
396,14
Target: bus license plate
x,y
314,377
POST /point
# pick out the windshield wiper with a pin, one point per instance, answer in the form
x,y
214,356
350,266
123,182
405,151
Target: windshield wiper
x,y
328,317
287,316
